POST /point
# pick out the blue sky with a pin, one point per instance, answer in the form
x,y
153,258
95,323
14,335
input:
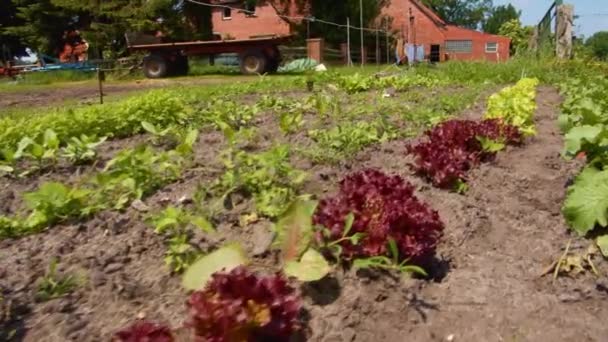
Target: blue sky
x,y
594,13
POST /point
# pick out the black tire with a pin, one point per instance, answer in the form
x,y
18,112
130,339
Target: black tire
x,y
253,62
274,60
180,66
155,66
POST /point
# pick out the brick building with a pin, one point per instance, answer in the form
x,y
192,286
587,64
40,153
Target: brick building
x,y
417,24
412,21
249,22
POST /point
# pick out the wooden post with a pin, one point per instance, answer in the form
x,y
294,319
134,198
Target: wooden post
x,y
350,61
388,53
377,47
100,79
563,32
361,28
533,42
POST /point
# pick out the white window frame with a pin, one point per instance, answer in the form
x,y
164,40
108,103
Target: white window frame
x,y
460,46
494,50
224,17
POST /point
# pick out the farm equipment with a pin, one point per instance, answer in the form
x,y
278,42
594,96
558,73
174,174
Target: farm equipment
x,y
256,55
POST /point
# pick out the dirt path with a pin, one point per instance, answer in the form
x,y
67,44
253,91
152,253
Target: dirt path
x,y
499,238
88,91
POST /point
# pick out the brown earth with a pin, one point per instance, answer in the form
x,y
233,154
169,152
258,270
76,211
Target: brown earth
x,y
88,92
499,238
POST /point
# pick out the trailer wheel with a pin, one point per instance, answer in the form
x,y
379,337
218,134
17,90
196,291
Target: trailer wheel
x,y
274,60
180,66
155,66
253,62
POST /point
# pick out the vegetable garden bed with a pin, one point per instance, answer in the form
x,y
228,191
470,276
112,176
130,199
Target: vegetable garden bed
x,y
97,268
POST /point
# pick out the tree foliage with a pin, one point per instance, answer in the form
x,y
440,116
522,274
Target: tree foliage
x,y
10,44
40,24
467,13
337,12
498,16
598,44
520,35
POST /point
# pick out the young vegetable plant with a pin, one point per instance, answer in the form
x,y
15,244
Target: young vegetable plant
x,y
370,210
515,106
238,305
43,151
268,177
393,263
52,285
82,150
55,202
454,147
144,331
176,224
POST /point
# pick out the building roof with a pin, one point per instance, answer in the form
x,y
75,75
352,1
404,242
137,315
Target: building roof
x,y
457,32
429,13
452,31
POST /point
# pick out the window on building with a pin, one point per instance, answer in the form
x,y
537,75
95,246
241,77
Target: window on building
x,y
462,46
227,14
492,47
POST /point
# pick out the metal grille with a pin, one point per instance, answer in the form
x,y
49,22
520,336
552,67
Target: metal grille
x,y
463,46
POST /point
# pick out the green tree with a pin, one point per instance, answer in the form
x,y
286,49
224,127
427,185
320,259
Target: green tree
x,y
40,25
10,44
467,13
520,35
337,12
598,44
498,16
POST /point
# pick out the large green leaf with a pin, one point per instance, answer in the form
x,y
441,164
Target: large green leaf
x,y
587,201
311,267
294,228
225,259
577,136
602,243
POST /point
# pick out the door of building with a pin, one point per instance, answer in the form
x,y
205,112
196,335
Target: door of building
x,y
435,53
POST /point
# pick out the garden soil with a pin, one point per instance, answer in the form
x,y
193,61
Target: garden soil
x,y
487,284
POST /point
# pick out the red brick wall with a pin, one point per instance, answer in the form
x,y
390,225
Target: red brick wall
x,y
479,45
428,32
425,30
242,26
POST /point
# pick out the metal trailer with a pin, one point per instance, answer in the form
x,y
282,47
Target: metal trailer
x,y
256,55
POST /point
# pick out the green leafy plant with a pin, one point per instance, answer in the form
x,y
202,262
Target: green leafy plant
x,y
586,204
53,285
268,177
334,246
41,152
291,121
55,202
346,139
355,83
174,219
135,173
389,264
222,112
180,253
515,105
82,150
176,224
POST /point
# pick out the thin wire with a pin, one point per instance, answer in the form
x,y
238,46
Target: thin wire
x,y
295,18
